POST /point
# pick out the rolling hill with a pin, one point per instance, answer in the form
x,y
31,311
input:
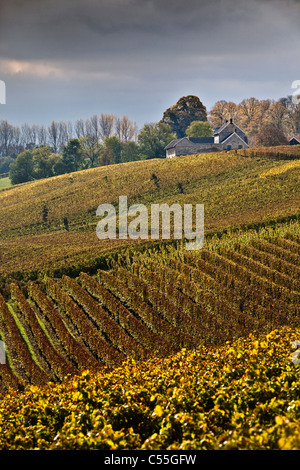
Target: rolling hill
x,y
70,302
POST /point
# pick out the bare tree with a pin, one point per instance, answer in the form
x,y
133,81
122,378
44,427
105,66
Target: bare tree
x,y
293,121
53,136
277,115
218,114
70,129
63,136
95,127
6,137
79,128
125,129
251,113
106,123
25,134
42,136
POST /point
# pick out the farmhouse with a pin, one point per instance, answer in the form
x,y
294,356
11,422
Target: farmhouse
x,y
227,137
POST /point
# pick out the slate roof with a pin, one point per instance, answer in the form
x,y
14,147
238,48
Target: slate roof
x,y
173,143
294,141
220,129
202,140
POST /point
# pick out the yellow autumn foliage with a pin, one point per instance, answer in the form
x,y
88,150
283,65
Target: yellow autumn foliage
x,y
243,395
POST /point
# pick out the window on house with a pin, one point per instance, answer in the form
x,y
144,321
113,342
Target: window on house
x,y
228,147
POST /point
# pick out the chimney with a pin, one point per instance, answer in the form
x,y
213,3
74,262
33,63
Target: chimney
x,y
230,120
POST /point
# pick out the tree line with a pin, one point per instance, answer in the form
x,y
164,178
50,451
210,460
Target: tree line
x,y
14,139
256,116
31,152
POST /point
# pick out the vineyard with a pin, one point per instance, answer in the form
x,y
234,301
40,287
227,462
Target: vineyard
x,y
148,304
130,344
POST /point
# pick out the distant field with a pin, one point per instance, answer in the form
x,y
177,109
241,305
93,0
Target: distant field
x,y
4,182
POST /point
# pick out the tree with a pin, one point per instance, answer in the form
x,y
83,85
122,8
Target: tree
x,y
91,151
45,162
221,112
269,136
6,137
183,113
113,155
130,152
72,156
199,129
125,129
22,170
79,128
292,124
42,136
107,157
153,138
5,163
106,122
277,115
53,136
251,113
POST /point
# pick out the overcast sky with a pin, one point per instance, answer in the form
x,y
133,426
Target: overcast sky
x,y
70,59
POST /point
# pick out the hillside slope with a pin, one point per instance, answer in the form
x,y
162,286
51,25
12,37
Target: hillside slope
x,y
148,298
123,344
50,224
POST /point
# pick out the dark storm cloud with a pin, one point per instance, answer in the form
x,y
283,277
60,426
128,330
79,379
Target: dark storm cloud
x,y
119,51
73,29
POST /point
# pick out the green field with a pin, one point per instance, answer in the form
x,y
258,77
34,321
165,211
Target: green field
x,y
123,344
4,182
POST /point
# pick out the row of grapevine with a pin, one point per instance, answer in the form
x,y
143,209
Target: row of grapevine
x,y
162,305
253,278
238,271
54,363
225,293
276,250
8,379
211,325
261,270
114,329
293,237
270,260
20,358
288,245
101,349
45,353
126,319
151,303
134,300
50,316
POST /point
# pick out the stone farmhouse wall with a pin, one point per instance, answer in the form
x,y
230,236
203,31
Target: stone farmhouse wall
x,y
186,147
230,128
234,142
